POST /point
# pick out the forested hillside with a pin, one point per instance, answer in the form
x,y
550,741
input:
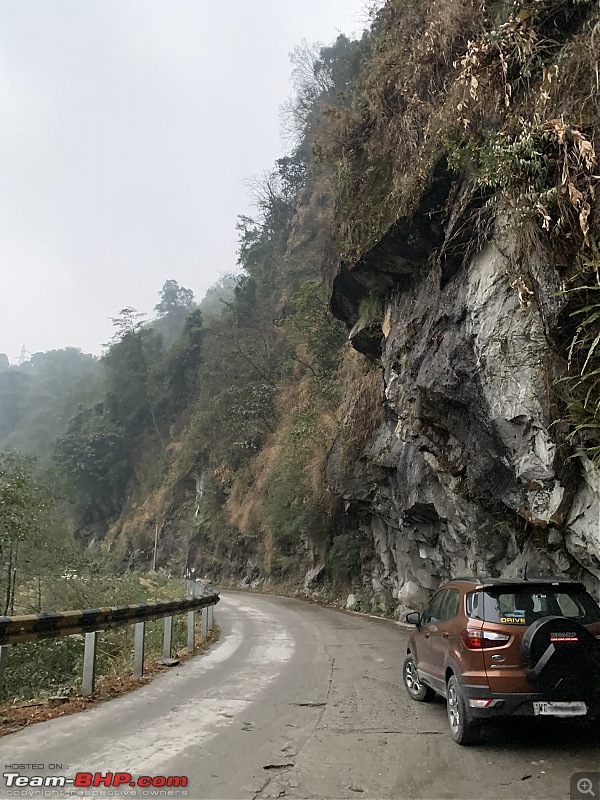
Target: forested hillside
x,y
229,477
38,396
439,197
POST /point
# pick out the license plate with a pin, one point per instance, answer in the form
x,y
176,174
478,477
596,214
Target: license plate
x,y
577,709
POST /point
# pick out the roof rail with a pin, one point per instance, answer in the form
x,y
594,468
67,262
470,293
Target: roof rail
x,y
501,581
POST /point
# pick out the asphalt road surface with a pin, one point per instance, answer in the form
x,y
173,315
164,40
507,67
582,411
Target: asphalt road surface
x,y
299,701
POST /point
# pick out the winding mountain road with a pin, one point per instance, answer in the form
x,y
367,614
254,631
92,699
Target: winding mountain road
x,y
299,701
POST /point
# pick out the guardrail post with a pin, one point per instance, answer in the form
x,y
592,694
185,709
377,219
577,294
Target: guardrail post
x,y
138,652
210,618
204,623
89,665
167,637
3,659
191,631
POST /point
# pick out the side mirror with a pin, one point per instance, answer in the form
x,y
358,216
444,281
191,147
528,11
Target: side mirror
x,y
414,618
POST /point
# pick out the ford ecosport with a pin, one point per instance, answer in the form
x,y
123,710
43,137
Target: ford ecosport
x,y
496,647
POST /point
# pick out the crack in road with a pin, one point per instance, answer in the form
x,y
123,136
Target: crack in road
x,y
283,768
330,684
280,769
309,705
382,731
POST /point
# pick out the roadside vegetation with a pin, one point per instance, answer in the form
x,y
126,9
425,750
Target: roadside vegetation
x,y
42,569
36,671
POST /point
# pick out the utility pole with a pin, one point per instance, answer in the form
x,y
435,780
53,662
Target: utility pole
x,y
155,548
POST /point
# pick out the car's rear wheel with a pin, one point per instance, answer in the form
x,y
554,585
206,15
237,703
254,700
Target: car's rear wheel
x,y
417,690
464,729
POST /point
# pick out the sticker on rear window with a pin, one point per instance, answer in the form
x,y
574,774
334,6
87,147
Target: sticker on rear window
x,y
514,619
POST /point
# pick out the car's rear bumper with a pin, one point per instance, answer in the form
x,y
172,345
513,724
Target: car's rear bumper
x,y
520,704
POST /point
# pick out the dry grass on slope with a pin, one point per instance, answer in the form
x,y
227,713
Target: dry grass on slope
x,y
156,491
361,411
448,71
379,146
245,505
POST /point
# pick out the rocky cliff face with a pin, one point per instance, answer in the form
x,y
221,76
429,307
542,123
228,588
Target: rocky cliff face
x,y
467,474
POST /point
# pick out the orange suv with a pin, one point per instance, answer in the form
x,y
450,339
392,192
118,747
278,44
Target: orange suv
x,y
496,647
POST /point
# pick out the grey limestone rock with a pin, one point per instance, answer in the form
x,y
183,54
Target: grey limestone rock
x,y
467,474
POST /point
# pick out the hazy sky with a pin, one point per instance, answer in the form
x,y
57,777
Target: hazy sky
x,y
127,130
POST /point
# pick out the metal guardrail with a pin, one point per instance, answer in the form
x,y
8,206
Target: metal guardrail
x,y
33,627
14,630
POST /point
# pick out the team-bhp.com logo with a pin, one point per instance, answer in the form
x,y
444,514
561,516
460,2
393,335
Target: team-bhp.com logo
x,y
93,780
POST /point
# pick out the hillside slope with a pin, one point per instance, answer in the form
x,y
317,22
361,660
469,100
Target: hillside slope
x,y
444,183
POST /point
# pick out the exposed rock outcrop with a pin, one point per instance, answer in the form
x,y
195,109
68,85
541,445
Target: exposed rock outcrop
x,y
468,473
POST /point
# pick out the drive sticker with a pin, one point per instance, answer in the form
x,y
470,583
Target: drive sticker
x,y
515,620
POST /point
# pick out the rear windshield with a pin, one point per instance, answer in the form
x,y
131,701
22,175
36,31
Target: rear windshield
x,y
518,607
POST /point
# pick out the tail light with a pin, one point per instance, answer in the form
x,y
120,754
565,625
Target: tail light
x,y
480,639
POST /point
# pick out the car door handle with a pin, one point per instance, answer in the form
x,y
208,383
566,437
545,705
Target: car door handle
x,y
426,635
446,635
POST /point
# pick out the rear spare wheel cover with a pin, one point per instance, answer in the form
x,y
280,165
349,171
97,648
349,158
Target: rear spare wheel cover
x,y
563,658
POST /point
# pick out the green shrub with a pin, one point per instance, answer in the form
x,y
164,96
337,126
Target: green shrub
x,y
371,309
47,667
345,555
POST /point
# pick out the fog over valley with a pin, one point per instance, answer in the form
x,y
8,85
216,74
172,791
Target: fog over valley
x,y
128,131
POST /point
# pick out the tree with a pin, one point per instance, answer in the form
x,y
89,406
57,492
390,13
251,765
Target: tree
x,y
134,350
175,304
38,397
176,375
94,450
312,326
35,545
218,295
19,507
93,453
14,392
174,298
21,511
320,75
275,192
